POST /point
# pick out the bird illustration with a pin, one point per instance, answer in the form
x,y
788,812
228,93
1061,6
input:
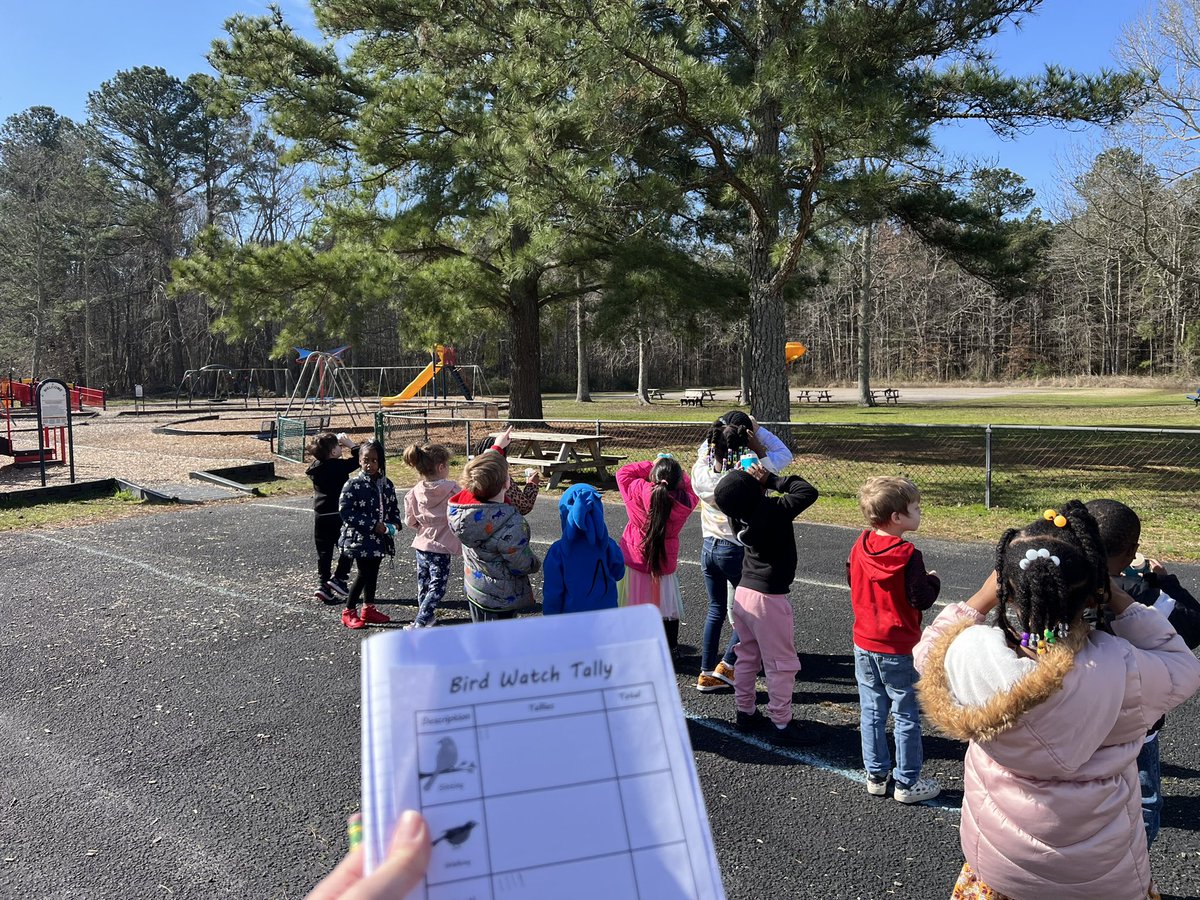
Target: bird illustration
x,y
457,835
447,759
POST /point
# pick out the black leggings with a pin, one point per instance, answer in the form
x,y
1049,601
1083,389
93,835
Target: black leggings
x,y
325,535
364,581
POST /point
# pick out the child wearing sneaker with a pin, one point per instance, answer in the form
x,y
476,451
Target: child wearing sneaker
x,y
497,559
889,589
435,543
328,473
762,615
370,520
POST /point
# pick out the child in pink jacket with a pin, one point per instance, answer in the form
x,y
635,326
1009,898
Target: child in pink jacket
x,y
425,510
1055,712
658,498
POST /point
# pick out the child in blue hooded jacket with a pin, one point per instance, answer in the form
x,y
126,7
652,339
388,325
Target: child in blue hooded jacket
x,y
582,568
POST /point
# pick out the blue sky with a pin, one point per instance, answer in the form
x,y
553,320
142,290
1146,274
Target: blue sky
x,y
53,52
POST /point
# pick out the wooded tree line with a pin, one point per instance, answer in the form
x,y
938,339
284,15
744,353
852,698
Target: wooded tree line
x,y
655,194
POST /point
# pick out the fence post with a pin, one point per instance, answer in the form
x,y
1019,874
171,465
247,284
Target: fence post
x,y
597,428
379,429
426,417
987,467
469,444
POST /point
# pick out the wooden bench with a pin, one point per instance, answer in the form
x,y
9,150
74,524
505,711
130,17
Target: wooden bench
x,y
692,398
890,395
814,395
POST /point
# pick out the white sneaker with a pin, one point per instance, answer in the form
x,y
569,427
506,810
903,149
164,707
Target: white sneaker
x,y
877,786
923,789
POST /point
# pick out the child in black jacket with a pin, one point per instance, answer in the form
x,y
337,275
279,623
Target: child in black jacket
x,y
762,614
328,473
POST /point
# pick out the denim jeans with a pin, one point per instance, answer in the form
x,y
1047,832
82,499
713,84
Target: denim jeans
x,y
886,682
1150,776
721,562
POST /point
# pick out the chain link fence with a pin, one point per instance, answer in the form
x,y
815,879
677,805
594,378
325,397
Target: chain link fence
x,y
291,435
1008,466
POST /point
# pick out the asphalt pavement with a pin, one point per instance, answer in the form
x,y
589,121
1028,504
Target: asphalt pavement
x,y
179,719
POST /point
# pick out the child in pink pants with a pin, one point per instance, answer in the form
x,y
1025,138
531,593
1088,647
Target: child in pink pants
x,y
762,615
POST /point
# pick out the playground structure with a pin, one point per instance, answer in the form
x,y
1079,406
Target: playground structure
x,y
443,361
323,383
22,394
217,383
792,351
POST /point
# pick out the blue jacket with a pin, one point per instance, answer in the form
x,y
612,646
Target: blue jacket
x,y
363,504
582,568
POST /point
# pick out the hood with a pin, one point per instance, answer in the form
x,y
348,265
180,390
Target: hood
x,y
883,555
582,515
434,493
737,495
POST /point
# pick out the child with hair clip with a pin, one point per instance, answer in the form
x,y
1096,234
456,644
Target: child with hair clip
x,y
370,520
1055,712
762,613
1150,584
731,438
658,498
328,472
435,543
497,559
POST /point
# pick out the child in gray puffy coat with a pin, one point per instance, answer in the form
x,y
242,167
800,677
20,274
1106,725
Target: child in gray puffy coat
x,y
497,559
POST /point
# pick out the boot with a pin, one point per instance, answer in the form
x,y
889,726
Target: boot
x,y
671,626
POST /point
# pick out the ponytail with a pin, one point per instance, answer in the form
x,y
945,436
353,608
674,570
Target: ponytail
x,y
426,459
665,477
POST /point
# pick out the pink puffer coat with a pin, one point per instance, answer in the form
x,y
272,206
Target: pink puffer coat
x,y
636,491
1051,804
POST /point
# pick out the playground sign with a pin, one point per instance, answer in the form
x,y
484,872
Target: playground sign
x,y
52,400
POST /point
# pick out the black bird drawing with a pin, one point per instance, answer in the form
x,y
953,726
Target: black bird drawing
x,y
447,759
457,835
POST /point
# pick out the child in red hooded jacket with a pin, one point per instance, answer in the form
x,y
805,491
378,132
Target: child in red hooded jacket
x,y
889,588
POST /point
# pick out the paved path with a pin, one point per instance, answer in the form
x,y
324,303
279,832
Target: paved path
x,y
179,721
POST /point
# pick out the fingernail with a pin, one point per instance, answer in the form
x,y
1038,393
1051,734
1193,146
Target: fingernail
x,y
409,828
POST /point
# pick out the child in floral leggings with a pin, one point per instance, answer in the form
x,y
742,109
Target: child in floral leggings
x,y
425,511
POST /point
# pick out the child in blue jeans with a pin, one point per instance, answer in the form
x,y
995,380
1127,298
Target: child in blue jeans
x,y
889,588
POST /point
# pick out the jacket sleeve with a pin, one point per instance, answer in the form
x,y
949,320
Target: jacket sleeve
x,y
704,481
391,505
631,474
946,619
359,517
1185,617
920,588
685,488
778,455
410,510
522,498
795,494
554,588
615,560
1169,672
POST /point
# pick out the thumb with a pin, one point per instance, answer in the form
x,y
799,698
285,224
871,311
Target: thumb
x,y
404,868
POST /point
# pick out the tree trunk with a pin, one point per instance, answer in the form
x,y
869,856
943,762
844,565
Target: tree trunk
x,y
746,365
865,313
582,394
643,396
525,388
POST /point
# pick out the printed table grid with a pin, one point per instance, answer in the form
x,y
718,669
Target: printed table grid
x,y
462,723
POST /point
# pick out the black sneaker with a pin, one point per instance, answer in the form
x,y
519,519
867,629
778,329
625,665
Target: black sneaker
x,y
751,722
793,735
337,588
322,594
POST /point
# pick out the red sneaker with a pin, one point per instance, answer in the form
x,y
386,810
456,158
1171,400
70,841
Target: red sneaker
x,y
372,615
351,620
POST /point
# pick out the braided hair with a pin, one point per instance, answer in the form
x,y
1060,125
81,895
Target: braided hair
x,y
1044,595
665,476
726,444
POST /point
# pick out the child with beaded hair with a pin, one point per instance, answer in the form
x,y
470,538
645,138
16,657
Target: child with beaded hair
x,y
1054,712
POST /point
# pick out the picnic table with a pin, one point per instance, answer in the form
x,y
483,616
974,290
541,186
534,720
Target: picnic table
x,y
556,453
697,396
655,393
890,395
814,395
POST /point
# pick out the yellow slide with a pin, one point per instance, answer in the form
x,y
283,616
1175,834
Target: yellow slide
x,y
422,379
793,350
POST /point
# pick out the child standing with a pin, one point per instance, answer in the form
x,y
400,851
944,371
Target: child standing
x,y
889,588
583,567
1055,712
435,543
658,498
731,436
497,559
1121,530
762,615
370,519
328,472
